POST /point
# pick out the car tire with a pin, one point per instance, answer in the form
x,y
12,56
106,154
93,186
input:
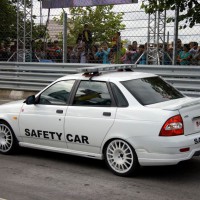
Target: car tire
x,y
121,158
8,141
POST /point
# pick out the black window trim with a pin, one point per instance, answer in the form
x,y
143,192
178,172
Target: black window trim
x,y
114,96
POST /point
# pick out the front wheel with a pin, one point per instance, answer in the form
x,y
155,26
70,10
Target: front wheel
x,y
121,158
8,142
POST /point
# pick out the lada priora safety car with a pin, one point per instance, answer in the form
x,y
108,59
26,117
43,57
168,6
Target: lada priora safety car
x,y
127,118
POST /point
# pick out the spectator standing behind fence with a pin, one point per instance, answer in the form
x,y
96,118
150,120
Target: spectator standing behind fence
x,y
117,56
4,51
185,56
81,54
134,45
91,55
74,55
126,59
57,51
167,55
50,51
116,42
87,38
196,58
193,48
142,55
103,53
117,49
179,46
135,55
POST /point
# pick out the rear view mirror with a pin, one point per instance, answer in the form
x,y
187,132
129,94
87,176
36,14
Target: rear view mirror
x,y
30,100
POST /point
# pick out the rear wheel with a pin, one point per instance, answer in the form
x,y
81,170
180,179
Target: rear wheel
x,y
8,142
121,158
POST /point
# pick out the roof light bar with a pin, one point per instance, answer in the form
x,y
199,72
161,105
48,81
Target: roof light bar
x,y
104,68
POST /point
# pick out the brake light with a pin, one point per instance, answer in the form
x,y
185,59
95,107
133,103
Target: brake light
x,y
173,127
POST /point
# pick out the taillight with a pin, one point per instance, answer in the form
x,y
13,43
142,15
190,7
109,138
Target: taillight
x,y
173,127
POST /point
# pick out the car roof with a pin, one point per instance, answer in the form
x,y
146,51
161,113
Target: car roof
x,y
110,76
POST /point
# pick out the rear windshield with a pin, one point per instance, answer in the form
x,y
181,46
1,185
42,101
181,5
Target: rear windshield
x,y
151,90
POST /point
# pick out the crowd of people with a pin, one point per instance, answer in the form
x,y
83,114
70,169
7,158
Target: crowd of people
x,y
7,50
87,51
116,53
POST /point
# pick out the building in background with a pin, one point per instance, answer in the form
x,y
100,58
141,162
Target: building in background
x,y
54,30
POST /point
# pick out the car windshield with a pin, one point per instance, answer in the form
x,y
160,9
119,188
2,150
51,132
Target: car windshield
x,y
151,90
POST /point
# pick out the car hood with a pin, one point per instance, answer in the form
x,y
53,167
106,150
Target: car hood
x,y
11,107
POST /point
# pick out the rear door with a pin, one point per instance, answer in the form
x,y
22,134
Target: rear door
x,y
89,117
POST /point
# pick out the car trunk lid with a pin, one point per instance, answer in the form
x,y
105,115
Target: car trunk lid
x,y
189,108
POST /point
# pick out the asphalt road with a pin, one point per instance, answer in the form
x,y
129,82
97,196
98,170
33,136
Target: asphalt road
x,y
39,175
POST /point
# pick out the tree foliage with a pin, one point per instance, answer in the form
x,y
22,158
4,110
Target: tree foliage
x,y
8,19
103,22
189,9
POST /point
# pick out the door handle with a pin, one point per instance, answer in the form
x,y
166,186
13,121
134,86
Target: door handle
x,y
107,114
59,111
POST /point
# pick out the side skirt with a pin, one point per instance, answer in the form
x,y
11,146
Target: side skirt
x,y
64,151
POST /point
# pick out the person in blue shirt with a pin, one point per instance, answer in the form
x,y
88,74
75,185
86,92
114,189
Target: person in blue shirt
x,y
185,56
142,60
103,53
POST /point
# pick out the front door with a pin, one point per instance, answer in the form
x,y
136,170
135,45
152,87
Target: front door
x,y
43,123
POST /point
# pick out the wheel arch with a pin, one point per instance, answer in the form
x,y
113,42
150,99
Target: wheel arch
x,y
10,143
7,122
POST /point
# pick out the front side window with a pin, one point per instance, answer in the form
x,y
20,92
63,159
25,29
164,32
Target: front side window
x,y
57,94
92,93
151,90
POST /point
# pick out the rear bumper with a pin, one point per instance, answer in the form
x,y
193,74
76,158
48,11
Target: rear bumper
x,y
155,151
155,159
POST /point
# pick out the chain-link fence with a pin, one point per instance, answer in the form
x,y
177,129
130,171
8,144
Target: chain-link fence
x,y
111,34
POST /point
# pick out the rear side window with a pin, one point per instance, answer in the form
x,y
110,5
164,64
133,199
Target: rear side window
x,y
151,90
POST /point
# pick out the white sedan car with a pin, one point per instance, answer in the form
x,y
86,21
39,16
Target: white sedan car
x,y
130,119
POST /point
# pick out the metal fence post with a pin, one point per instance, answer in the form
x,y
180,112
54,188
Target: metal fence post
x,y
64,36
175,35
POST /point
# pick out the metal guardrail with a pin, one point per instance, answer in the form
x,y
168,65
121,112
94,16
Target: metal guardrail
x,y
35,76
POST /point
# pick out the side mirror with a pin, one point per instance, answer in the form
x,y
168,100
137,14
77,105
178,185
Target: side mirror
x,y
30,100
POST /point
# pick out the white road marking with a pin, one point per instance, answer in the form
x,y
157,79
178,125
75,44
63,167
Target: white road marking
x,y
2,199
